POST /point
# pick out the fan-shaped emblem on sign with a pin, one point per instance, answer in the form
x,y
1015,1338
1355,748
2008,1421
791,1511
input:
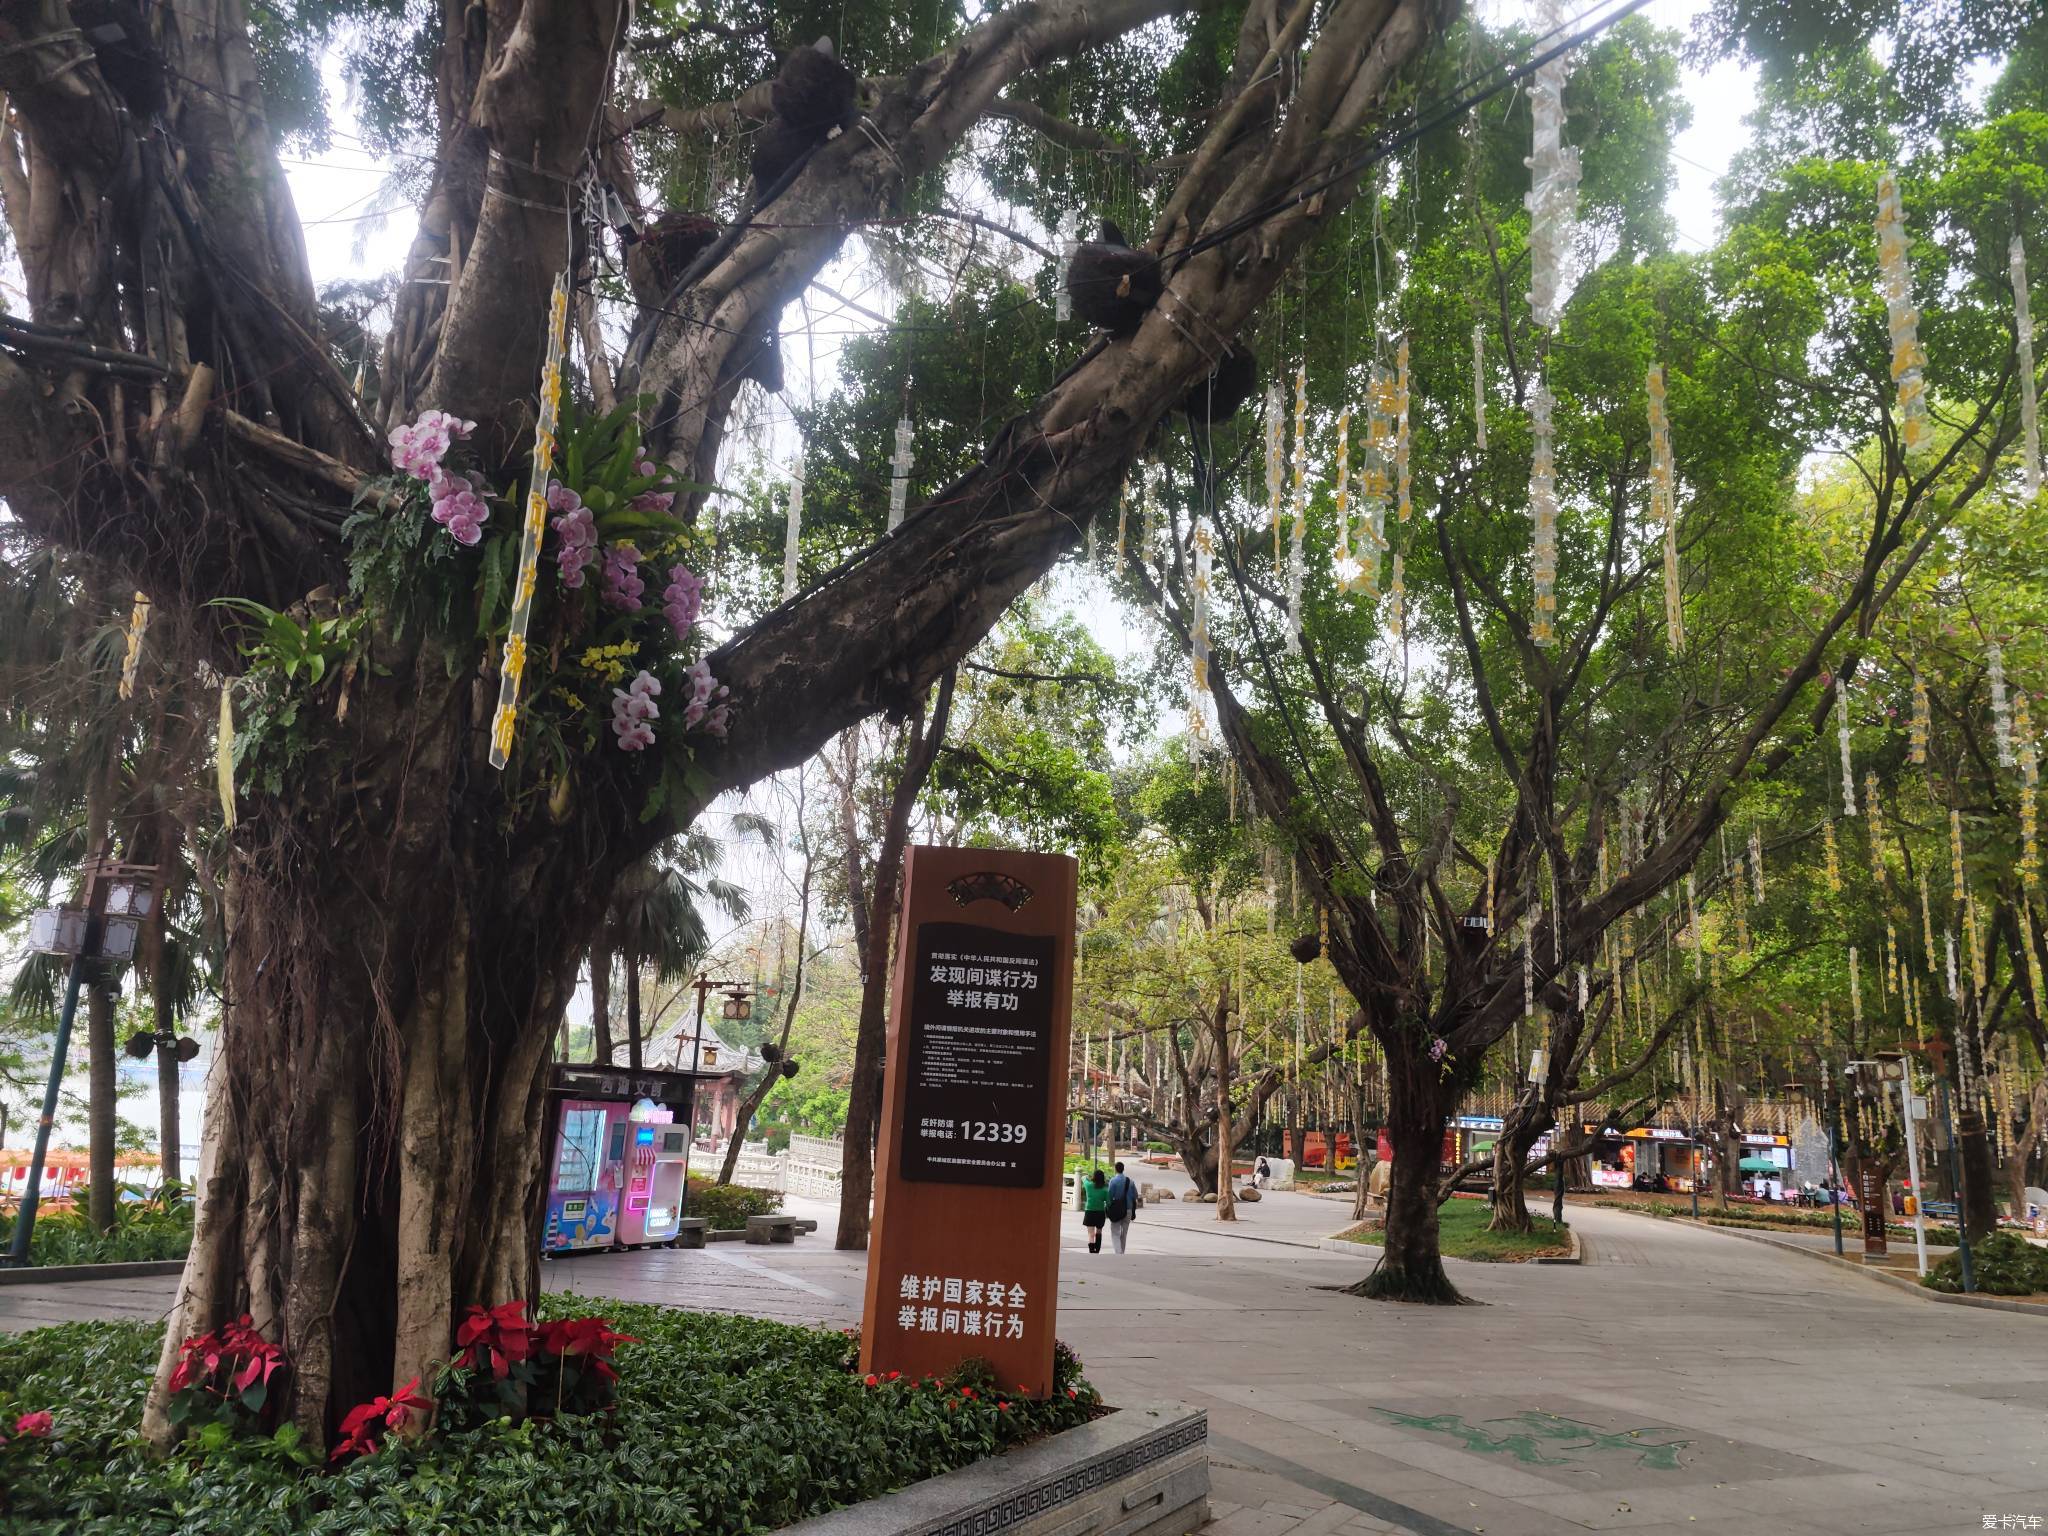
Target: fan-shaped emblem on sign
x,y
990,886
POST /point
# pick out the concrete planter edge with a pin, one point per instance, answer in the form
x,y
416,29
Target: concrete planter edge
x,y
1141,1471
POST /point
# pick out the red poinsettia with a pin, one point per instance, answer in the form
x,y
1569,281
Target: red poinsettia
x,y
228,1363
502,1337
360,1429
572,1337
36,1426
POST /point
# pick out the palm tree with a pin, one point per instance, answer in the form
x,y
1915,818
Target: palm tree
x,y
656,920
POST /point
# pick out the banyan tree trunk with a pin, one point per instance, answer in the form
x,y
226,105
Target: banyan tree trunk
x,y
1523,1124
374,1152
1411,1268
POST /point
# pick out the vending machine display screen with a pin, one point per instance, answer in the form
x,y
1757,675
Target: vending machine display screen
x,y
581,1147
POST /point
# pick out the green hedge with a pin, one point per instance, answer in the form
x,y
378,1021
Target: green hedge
x,y
724,1426
159,1227
727,1206
2002,1264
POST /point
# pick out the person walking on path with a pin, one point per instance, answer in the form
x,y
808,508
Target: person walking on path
x,y
1094,1208
1123,1205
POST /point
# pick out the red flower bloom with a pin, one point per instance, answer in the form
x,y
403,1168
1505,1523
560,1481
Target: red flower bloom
x,y
36,1426
359,1428
582,1336
500,1337
967,1391
874,1381
893,1375
1002,1407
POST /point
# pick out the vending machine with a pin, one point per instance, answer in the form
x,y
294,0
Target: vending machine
x,y
584,1183
656,1157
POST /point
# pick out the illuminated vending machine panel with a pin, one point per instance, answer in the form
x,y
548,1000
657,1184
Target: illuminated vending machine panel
x,y
654,1180
583,1192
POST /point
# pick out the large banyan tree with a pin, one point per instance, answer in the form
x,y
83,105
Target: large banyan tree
x,y
404,920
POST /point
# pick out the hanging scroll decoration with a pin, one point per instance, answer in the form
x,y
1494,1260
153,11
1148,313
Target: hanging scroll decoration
x,y
1397,581
1834,858
1200,702
1551,200
793,528
1895,280
1296,563
1664,505
1375,482
2001,705
1479,386
1922,724
2030,405
1876,822
1341,498
899,473
131,663
512,667
1276,460
1842,736
1543,508
2030,797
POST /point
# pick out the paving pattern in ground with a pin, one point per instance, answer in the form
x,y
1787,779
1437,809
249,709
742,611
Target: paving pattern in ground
x,y
1680,1380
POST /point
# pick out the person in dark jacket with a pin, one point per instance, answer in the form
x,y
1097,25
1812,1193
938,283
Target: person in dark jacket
x,y
1123,1205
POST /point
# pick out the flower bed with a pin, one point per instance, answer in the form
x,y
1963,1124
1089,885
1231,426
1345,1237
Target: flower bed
x,y
720,1425
157,1228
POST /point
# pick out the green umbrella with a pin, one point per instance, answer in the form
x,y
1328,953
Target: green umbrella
x,y
1758,1165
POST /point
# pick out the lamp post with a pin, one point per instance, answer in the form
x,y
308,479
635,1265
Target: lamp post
x,y
738,1006
117,898
1834,1113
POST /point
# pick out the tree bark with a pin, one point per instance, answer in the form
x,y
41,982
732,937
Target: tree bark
x,y
1419,1097
1226,1193
864,1092
101,1065
2022,1149
1973,1142
1524,1123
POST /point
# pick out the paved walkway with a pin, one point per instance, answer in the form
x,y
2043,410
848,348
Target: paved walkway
x,y
1681,1380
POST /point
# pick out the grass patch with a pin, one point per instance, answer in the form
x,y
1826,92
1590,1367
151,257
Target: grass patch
x,y
724,1426
1462,1234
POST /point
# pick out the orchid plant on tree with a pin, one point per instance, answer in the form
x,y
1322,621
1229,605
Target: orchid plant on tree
x,y
616,605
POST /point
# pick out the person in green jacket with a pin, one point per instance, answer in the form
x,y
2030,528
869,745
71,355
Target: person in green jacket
x,y
1094,1208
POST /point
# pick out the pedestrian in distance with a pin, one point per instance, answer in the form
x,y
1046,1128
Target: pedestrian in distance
x,y
1123,1205
1094,1208
1265,1174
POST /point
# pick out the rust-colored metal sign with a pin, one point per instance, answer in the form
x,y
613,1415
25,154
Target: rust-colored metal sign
x,y
963,1258
1872,1196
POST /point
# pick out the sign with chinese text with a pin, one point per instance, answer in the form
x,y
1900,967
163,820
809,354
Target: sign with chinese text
x,y
963,1258
1872,1196
980,1056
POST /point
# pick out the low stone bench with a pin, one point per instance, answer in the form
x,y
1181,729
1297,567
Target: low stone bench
x,y
690,1231
762,1230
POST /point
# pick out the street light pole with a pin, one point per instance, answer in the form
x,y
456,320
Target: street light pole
x,y
1962,1190
25,1217
704,985
1834,1115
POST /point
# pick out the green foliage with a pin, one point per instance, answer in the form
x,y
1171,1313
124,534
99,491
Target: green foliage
x,y
288,646
724,1426
2003,1264
727,1206
159,1227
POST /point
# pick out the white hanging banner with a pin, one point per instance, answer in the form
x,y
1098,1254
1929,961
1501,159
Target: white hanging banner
x,y
1479,384
1543,508
2030,405
899,473
1552,199
1895,280
794,529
